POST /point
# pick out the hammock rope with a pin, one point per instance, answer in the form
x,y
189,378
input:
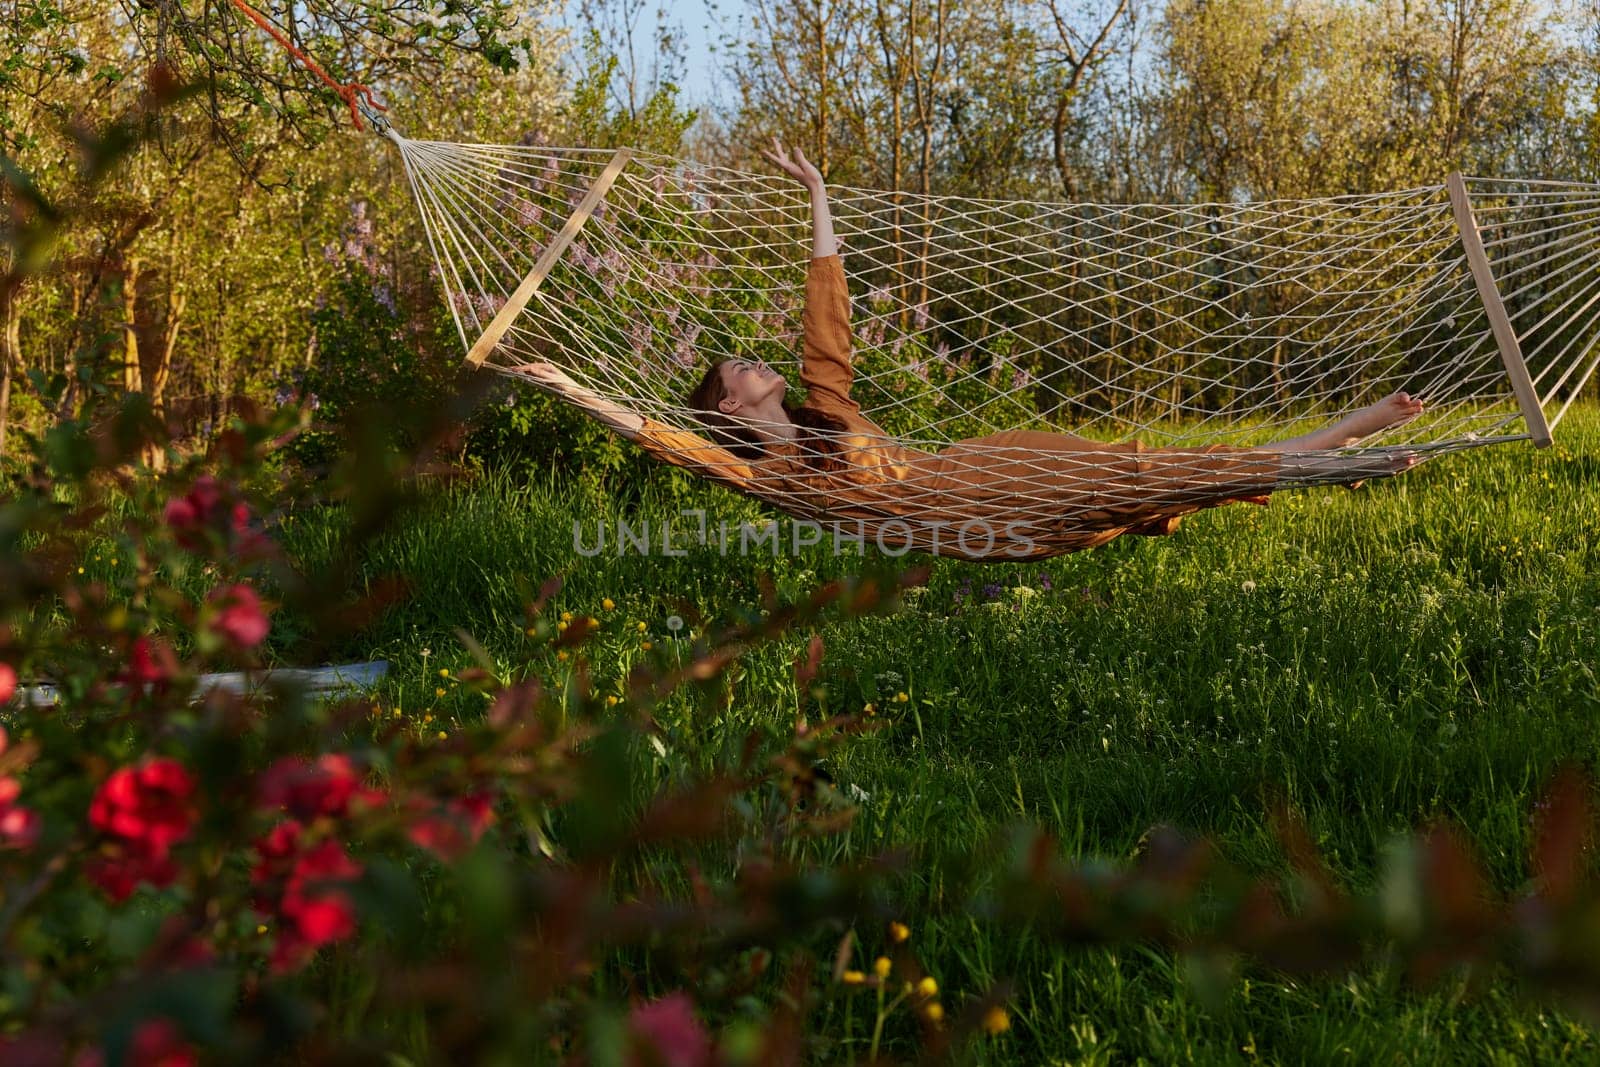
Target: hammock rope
x,y
1297,303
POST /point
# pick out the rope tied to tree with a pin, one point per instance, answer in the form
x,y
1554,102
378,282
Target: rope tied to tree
x,y
350,92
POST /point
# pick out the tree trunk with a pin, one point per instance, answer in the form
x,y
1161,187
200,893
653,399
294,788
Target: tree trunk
x,y
10,354
131,378
155,455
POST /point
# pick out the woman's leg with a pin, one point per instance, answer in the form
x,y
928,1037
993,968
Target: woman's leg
x,y
1392,410
1030,464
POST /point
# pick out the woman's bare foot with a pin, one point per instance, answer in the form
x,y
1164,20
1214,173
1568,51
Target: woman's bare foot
x,y
1392,410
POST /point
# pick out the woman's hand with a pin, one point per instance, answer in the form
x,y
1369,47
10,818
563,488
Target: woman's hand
x,y
545,373
799,168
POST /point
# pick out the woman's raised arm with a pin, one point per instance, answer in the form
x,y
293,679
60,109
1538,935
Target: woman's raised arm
x,y
825,366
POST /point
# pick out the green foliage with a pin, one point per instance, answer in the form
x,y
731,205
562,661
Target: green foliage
x,y
658,125
373,351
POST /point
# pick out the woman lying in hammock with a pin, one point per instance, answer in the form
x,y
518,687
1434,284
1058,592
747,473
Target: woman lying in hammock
x,y
1017,494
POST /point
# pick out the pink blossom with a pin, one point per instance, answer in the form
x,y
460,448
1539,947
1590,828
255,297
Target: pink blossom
x,y
204,508
19,826
640,336
240,619
669,1029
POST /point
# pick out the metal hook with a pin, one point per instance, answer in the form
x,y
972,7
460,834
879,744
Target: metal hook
x,y
379,123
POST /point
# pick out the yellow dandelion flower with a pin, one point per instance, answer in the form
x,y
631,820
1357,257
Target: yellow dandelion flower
x,y
566,616
869,708
438,691
80,570
608,603
853,977
427,719
444,672
561,626
928,987
442,735
395,713
646,645
881,966
261,928
611,701
996,1021
934,1011
898,932
641,626
530,631
593,621
562,655
901,697
113,561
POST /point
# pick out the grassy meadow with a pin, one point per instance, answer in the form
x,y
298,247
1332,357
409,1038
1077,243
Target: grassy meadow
x,y
1424,646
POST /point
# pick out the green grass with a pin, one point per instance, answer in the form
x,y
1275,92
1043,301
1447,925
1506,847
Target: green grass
x,y
1425,646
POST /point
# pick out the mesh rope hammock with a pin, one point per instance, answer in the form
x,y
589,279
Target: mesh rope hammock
x,y
1059,373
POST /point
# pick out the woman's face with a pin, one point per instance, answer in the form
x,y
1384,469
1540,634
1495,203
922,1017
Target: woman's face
x,y
748,383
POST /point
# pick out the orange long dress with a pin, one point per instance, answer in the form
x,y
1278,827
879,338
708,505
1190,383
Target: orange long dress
x,y
1007,496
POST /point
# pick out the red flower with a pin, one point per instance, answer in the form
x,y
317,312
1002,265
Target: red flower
x,y
324,862
199,506
321,918
150,659
449,834
668,1028
203,508
312,907
148,804
177,947
307,790
145,810
8,686
280,844
241,619
159,1043
120,868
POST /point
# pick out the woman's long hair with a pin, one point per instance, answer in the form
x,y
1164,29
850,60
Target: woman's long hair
x,y
819,449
